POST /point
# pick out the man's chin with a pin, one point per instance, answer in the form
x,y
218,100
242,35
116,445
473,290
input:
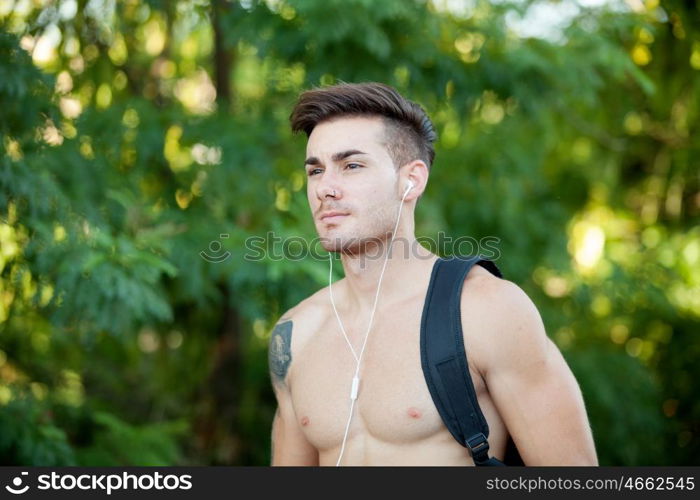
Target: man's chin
x,y
336,244
350,245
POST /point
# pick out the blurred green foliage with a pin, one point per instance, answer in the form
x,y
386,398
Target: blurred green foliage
x,y
138,134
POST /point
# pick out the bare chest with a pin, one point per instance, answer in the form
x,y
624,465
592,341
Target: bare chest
x,y
394,405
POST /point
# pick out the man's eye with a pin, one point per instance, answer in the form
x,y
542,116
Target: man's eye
x,y
351,166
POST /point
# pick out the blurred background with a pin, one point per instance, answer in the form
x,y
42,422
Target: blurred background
x,y
144,140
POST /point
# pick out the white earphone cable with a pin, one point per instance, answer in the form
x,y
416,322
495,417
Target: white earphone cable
x,y
356,378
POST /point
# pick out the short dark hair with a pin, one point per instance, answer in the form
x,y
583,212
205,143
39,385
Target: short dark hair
x,y
409,133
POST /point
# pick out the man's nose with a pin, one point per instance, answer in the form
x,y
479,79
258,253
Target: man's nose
x,y
329,186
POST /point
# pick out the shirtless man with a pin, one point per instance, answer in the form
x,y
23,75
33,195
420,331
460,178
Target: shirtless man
x,y
365,143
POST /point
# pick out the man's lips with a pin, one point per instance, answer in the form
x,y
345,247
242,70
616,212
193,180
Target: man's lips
x,y
332,216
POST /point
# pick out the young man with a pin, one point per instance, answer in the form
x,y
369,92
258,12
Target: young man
x,y
369,154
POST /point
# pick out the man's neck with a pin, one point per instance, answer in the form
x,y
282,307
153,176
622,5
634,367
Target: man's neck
x,y
407,260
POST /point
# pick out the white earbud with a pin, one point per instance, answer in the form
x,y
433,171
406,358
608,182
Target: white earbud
x,y
409,186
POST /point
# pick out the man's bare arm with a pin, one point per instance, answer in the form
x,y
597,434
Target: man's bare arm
x,y
289,446
531,384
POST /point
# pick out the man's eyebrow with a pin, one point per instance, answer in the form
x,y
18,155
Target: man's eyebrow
x,y
312,160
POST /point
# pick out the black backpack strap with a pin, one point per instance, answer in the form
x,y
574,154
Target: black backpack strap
x,y
444,360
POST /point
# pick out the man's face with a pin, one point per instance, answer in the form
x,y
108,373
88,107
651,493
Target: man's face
x,y
346,155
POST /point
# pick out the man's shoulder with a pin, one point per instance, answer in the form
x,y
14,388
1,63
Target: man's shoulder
x,y
484,289
307,315
498,317
292,331
309,308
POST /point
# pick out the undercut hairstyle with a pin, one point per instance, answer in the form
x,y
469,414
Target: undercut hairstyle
x,y
408,132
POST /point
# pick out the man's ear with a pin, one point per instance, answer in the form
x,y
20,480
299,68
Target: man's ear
x,y
417,173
